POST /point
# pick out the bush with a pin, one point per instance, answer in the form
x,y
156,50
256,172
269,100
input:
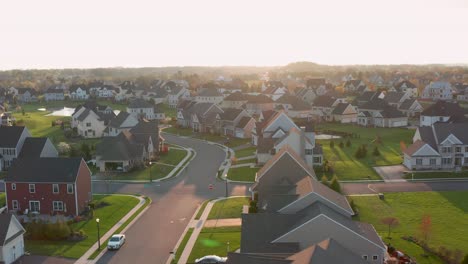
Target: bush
x,y
253,207
63,148
335,184
348,143
39,230
341,144
332,144
324,180
376,151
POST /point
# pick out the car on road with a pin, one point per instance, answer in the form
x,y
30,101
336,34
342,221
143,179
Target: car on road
x,y
212,259
116,241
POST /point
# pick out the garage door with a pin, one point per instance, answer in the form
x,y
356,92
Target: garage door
x,y
399,123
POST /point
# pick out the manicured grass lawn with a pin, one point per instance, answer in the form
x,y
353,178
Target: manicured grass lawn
x,y
158,171
229,208
347,167
40,125
242,174
448,212
202,208
213,241
178,131
108,215
2,199
246,161
250,151
182,245
437,174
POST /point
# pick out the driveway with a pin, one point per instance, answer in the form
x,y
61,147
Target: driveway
x,y
155,234
391,173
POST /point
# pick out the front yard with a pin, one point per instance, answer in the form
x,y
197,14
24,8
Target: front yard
x,y
242,173
436,174
343,161
228,208
245,152
117,207
214,241
448,213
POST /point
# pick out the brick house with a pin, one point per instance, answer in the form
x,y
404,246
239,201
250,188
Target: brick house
x,y
48,186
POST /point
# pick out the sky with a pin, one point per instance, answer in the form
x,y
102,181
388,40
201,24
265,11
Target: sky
x,y
153,33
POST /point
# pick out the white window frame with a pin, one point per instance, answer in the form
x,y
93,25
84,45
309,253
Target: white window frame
x,y
14,204
56,207
365,257
33,188
39,209
53,188
72,189
375,257
13,186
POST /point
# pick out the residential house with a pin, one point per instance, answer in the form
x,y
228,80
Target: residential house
x,y
38,147
130,148
463,94
406,87
209,95
200,117
344,113
54,94
272,124
91,119
26,95
140,108
438,91
79,92
258,103
12,139
274,89
300,141
396,98
443,111
293,106
48,186
378,113
235,100
355,86
439,146
106,91
177,93
306,94
323,106
411,107
123,121
235,123
367,97
11,238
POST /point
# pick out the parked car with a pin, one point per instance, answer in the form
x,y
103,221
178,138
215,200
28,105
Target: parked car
x,y
116,241
212,259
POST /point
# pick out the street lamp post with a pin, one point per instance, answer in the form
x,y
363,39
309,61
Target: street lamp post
x,y
150,177
226,181
98,234
227,247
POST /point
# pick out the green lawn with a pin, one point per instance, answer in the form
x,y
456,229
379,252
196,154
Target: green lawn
x,y
182,245
254,160
343,161
214,241
108,215
178,131
242,174
437,174
2,199
228,208
158,171
448,212
250,151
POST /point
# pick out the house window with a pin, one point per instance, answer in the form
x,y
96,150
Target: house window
x,y
432,161
88,124
32,188
69,188
55,188
458,149
446,149
446,161
14,205
418,161
375,257
34,206
309,152
364,257
466,149
13,186
466,162
57,205
317,160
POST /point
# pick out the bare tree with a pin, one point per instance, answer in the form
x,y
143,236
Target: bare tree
x,y
391,222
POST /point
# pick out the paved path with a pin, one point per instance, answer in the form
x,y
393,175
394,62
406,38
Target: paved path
x,y
391,173
223,222
156,232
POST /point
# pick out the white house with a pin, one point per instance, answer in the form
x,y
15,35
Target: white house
x,y
406,87
11,238
140,108
209,95
176,94
276,125
442,111
438,91
91,119
123,121
54,94
77,92
12,139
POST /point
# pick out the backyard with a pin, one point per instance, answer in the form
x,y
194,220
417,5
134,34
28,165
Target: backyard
x,y
228,208
448,212
116,207
343,161
242,173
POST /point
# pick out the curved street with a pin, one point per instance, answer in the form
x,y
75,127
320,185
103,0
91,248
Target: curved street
x,y
155,234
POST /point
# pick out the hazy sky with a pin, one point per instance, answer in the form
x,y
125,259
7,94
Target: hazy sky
x,y
137,33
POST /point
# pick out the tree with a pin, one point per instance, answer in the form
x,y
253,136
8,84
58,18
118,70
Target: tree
x,y
426,228
358,153
348,143
324,180
86,151
391,222
22,111
376,151
402,146
341,144
465,260
63,148
332,144
335,184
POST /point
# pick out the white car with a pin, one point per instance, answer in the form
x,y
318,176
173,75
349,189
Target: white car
x,y
116,241
210,259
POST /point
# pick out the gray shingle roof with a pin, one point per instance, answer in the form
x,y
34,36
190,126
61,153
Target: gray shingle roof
x,y
140,103
394,97
44,170
443,108
230,114
407,104
211,92
5,220
340,108
9,136
118,148
119,119
324,101
32,147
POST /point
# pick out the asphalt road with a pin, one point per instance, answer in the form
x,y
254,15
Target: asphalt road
x,y
155,234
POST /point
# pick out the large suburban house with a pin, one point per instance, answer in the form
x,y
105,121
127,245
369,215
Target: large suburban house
x,y
272,124
123,121
411,107
256,104
439,146
300,141
130,148
293,106
438,91
236,123
91,119
235,100
11,238
209,95
355,86
38,147
324,105
443,111
48,186
406,87
300,220
26,95
378,113
12,139
142,109
274,89
200,117
54,94
78,92
306,94
177,93
344,113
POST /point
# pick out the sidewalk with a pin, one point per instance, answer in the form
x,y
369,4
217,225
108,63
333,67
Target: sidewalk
x,y
223,222
106,236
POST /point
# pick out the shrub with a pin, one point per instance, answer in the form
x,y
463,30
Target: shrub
x,y
465,260
335,184
341,144
348,143
376,151
63,148
253,207
332,144
324,180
